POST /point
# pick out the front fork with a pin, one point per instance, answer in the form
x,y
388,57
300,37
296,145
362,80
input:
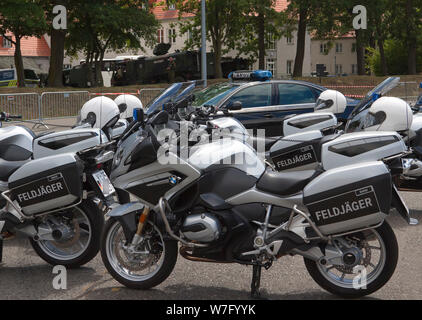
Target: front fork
x,y
137,238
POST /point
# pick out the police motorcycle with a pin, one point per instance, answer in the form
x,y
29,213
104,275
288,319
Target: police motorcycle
x,y
224,211
53,200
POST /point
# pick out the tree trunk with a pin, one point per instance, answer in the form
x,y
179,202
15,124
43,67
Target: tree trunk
x,y
55,73
217,60
261,41
301,41
411,38
384,68
360,53
19,63
89,75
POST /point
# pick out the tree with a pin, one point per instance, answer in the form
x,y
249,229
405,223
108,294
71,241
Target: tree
x,y
312,16
57,40
261,25
102,25
406,26
223,27
22,18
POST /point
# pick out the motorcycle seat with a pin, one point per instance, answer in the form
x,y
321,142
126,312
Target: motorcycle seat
x,y
8,168
268,142
285,183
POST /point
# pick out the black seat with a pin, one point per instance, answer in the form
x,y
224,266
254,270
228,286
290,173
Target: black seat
x,y
8,168
285,183
268,142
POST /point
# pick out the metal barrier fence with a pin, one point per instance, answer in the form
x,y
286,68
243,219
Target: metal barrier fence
x,y
62,104
146,95
27,105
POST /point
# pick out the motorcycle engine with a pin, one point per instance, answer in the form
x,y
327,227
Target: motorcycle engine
x,y
202,227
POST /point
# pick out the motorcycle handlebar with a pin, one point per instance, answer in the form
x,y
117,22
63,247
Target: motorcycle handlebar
x,y
5,116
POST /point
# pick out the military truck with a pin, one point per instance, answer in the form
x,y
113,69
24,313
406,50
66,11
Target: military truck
x,y
174,67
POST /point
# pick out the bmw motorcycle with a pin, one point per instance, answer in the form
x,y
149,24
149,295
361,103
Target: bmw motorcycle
x,y
225,211
56,200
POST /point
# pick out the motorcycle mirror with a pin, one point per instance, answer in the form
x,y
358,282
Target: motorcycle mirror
x,y
138,115
160,119
237,105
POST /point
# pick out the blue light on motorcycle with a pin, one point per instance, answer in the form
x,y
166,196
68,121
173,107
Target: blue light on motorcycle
x,y
420,85
375,97
135,114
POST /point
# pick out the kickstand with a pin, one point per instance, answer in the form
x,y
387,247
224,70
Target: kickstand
x,y
256,282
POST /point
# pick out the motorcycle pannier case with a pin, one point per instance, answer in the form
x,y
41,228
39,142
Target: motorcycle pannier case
x,y
349,198
47,184
297,152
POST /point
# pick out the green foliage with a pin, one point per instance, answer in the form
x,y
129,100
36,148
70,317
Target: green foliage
x,y
161,49
396,56
99,25
24,18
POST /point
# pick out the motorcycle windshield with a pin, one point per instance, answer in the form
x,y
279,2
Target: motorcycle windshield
x,y
358,118
170,93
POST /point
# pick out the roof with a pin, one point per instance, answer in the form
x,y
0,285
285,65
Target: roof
x,y
31,47
162,12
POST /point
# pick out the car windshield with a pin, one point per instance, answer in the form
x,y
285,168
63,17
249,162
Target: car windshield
x,y
213,94
358,118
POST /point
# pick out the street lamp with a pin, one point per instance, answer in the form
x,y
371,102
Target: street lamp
x,y
204,44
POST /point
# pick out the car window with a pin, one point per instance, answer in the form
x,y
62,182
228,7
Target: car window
x,y
252,97
214,94
295,94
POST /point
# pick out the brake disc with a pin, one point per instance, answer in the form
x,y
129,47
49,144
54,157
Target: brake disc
x,y
133,261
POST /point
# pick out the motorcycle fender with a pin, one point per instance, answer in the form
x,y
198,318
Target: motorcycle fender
x,y
126,214
398,203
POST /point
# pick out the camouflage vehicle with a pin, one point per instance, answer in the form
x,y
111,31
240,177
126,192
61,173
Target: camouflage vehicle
x,y
174,67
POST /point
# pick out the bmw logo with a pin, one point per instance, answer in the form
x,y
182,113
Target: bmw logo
x,y
174,180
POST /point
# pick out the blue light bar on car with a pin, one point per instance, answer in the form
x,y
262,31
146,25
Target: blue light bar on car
x,y
248,75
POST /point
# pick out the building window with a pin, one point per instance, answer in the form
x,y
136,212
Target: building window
x,y
270,65
354,68
270,45
353,47
339,69
172,6
160,38
6,43
289,40
172,35
190,35
339,47
323,48
289,69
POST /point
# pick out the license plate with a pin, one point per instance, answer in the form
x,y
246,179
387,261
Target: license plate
x,y
104,183
346,206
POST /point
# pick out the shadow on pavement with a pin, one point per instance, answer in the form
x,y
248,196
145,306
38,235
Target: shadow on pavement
x,y
183,292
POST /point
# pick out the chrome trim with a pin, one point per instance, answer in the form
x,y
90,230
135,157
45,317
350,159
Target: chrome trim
x,y
291,107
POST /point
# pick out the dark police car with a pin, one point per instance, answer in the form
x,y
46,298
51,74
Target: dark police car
x,y
263,103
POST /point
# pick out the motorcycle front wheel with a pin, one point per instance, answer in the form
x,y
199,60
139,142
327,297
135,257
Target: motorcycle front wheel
x,y
378,260
80,229
142,267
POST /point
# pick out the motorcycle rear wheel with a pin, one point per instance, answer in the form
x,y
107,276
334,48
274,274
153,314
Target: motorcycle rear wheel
x,y
376,275
87,225
128,268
